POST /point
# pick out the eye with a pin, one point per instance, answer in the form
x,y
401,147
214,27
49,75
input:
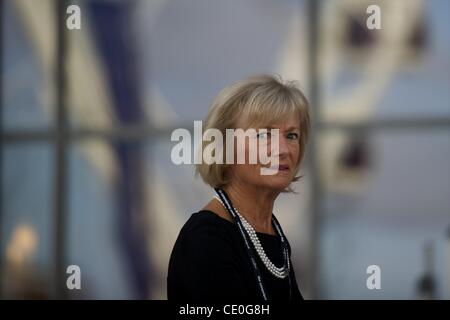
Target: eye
x,y
292,136
263,135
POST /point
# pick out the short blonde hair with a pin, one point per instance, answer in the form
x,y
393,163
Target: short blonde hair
x,y
261,100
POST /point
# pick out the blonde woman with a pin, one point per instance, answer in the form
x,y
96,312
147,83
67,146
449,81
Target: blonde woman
x,y
234,248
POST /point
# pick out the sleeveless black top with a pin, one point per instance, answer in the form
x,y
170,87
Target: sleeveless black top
x,y
209,262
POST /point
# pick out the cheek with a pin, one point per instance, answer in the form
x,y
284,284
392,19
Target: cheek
x,y
295,150
296,155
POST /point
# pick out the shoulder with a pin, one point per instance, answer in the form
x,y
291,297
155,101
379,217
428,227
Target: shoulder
x,y
205,240
205,229
206,262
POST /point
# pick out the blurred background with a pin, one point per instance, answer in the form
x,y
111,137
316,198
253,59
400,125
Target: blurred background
x,y
87,115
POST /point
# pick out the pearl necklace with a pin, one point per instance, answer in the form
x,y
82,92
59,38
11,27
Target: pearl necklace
x,y
280,273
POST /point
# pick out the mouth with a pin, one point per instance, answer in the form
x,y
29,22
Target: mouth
x,y
281,167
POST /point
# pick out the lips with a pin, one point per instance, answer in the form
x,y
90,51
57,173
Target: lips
x,y
280,168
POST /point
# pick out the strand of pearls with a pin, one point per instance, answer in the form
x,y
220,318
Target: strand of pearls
x,y
277,272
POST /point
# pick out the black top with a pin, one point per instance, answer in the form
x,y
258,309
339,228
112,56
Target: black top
x,y
209,262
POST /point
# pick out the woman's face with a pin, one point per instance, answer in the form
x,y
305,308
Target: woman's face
x,y
288,156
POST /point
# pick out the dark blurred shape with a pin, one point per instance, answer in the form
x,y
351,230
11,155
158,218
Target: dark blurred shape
x,y
426,286
358,36
356,155
419,37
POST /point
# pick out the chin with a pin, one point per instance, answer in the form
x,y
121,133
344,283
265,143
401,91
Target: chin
x,y
277,183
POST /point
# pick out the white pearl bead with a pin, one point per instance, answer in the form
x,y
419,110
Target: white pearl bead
x,y
281,272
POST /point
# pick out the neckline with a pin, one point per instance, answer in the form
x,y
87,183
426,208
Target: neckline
x,y
262,234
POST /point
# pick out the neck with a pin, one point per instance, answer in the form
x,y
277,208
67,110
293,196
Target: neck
x,y
254,204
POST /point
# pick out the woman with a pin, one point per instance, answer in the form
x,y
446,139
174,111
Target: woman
x,y
234,248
